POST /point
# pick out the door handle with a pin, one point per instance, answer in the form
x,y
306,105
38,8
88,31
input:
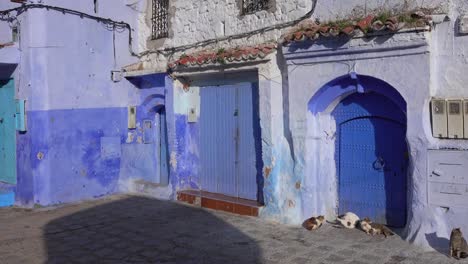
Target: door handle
x,y
1,119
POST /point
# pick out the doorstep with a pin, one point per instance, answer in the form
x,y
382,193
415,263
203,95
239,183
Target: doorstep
x,y
219,202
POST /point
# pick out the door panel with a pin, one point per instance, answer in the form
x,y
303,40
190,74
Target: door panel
x,y
226,133
372,160
246,144
7,132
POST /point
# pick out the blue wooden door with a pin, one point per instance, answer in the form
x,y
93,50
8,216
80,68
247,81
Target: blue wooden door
x,y
7,132
227,149
372,158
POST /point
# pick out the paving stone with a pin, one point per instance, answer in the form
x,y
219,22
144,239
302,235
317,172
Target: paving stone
x,y
335,258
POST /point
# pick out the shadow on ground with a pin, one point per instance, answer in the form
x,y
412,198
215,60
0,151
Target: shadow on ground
x,y
440,244
144,230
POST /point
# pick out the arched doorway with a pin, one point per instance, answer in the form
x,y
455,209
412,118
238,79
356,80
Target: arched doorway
x,y
371,156
368,121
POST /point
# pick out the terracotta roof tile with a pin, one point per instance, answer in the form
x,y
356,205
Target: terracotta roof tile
x,y
222,56
310,30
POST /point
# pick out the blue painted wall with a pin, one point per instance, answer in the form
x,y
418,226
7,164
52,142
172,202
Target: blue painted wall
x,y
77,145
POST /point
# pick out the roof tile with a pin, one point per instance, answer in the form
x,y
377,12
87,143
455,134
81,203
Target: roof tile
x,y
311,30
238,54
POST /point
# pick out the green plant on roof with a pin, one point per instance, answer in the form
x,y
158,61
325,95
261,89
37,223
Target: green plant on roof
x,y
221,60
220,51
183,56
383,16
340,24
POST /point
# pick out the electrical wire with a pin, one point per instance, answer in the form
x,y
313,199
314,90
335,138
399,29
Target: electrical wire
x,y
120,26
241,35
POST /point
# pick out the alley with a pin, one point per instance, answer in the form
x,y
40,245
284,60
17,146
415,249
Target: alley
x,y
134,229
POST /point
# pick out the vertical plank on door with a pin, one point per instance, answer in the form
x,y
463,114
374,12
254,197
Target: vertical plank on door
x,y
247,183
226,133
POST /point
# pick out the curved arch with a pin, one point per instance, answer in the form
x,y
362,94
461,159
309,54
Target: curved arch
x,y
345,85
153,103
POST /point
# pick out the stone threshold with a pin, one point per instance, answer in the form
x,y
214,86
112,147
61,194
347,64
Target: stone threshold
x,y
219,202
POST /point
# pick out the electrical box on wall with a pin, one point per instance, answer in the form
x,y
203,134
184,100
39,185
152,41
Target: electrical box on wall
x,y
132,117
192,115
439,118
455,118
20,115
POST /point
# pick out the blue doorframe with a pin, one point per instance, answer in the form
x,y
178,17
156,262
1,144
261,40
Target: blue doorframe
x,y
7,132
372,158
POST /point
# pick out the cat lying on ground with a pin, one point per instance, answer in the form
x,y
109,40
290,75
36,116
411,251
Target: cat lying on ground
x,y
348,220
369,227
314,223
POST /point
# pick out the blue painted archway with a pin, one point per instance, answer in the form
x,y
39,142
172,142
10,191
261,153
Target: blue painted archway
x,y
371,152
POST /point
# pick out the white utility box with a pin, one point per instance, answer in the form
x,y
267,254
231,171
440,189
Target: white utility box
x,y
439,118
455,118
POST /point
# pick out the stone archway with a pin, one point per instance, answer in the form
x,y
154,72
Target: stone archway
x,y
323,140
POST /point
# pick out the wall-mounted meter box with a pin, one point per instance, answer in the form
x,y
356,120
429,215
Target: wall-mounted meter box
x,y
192,115
132,117
439,118
455,118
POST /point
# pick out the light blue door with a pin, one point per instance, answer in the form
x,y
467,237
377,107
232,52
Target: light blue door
x,y
7,132
372,158
227,144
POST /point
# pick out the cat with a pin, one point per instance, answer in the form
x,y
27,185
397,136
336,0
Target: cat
x,y
348,220
458,245
380,229
365,225
314,223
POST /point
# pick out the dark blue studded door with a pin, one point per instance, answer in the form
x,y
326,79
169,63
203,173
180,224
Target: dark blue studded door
x,y
372,158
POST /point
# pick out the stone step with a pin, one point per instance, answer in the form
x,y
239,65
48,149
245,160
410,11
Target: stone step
x,y
219,202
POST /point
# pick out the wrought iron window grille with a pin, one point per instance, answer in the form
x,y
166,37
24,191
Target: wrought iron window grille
x,y
160,19
253,6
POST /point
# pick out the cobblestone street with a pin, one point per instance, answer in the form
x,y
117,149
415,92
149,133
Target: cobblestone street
x,y
129,229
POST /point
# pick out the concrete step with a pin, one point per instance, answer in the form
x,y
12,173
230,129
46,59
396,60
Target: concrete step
x,y
219,202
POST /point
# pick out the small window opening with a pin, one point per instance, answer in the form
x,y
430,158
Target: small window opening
x,y
252,6
159,20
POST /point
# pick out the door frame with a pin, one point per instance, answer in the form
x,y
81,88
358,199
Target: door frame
x,y
232,78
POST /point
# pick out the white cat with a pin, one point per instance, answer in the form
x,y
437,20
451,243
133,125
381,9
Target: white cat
x,y
348,220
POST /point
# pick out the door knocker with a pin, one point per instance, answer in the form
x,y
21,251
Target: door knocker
x,y
379,164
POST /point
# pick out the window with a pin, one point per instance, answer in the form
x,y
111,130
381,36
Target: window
x,y
160,18
252,6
